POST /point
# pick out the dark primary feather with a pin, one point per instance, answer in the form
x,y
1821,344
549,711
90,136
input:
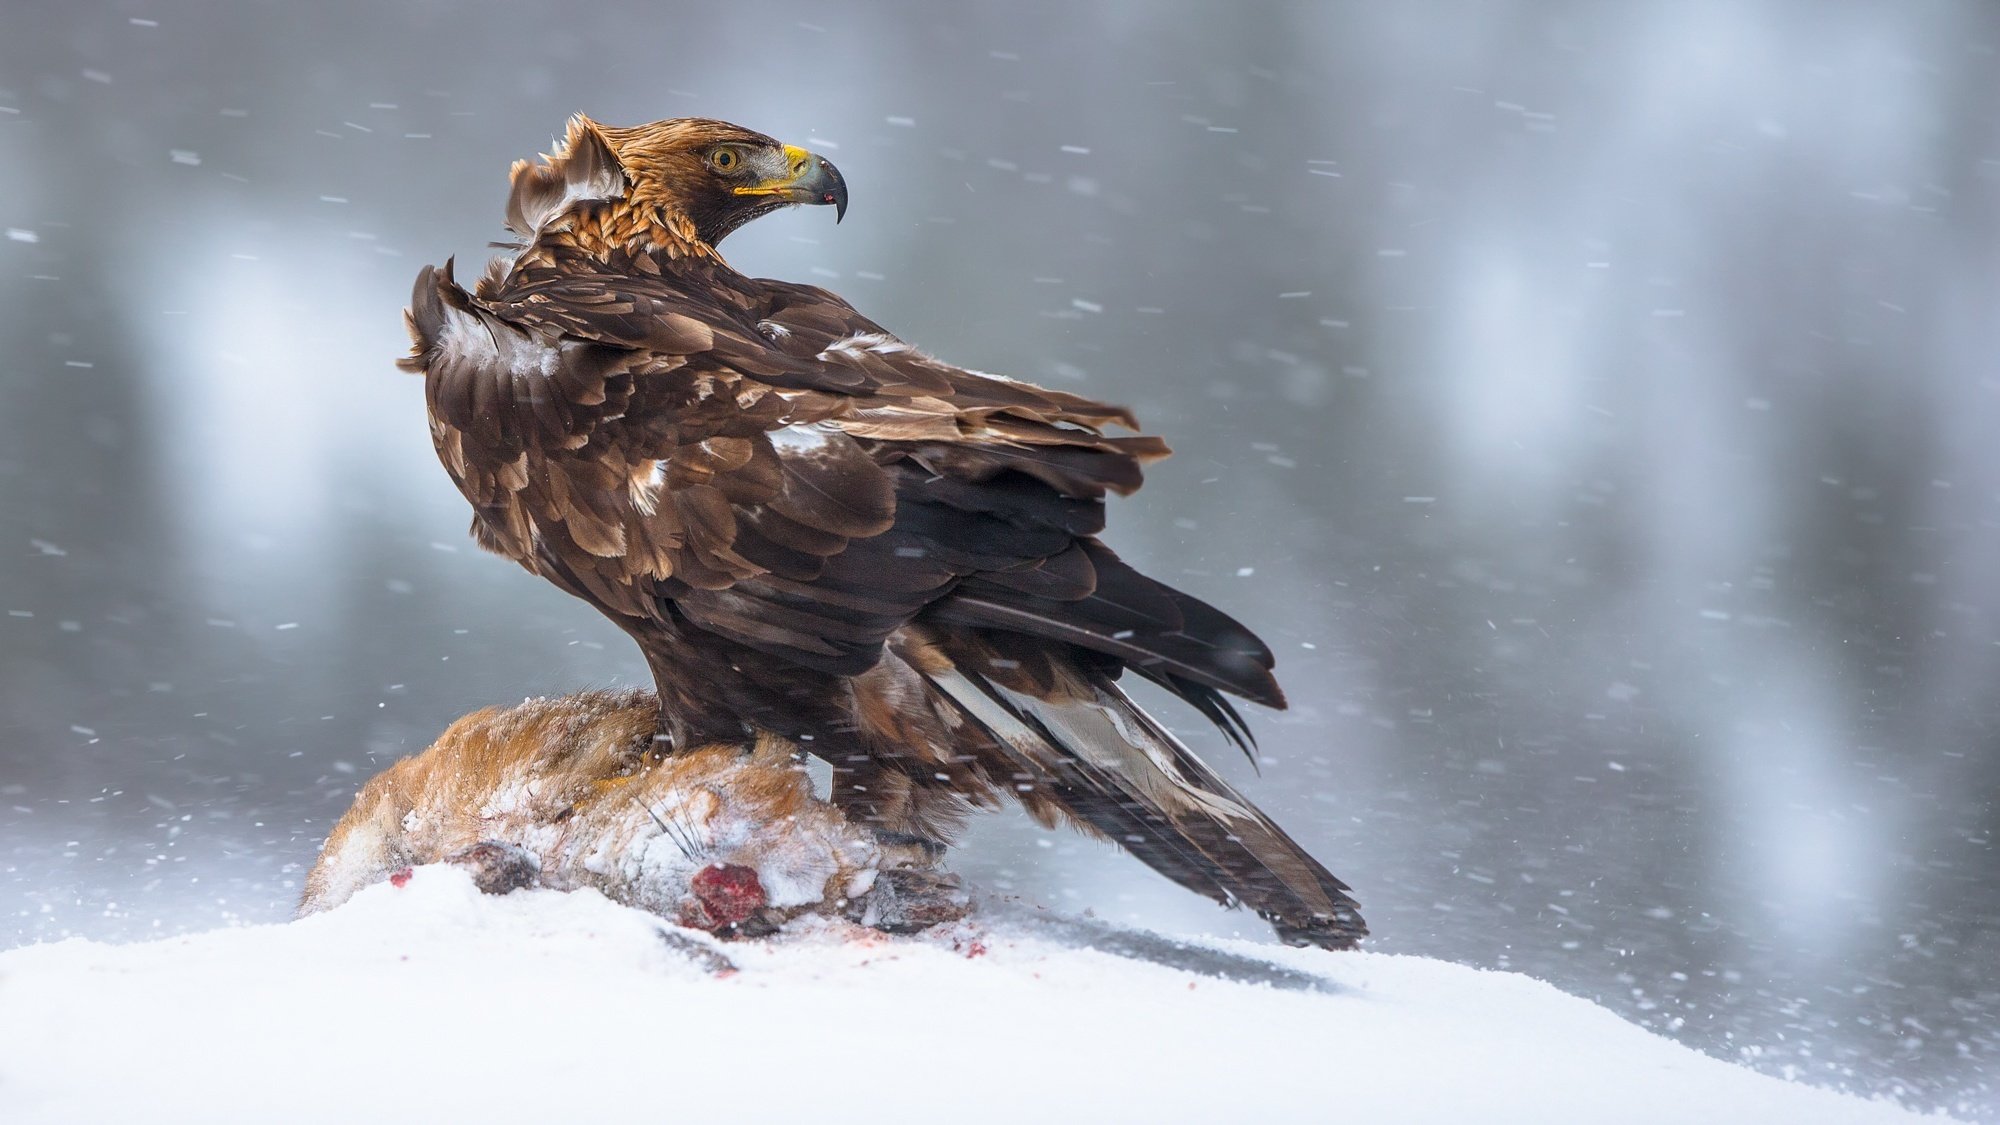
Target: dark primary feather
x,y
813,528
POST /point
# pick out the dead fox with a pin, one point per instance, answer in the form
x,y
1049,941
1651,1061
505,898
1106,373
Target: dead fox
x,y
574,792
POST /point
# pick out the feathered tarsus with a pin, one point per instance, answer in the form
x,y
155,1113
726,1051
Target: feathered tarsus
x,y
815,530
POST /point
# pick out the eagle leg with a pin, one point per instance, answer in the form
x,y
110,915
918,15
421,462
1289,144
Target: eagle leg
x,y
914,822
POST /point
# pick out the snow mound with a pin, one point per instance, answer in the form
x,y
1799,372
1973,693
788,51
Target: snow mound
x,y
428,1001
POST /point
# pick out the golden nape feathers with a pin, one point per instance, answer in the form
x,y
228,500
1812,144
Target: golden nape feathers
x,y
818,533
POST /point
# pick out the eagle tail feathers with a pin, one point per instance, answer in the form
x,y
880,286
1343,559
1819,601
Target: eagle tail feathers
x,y
1110,767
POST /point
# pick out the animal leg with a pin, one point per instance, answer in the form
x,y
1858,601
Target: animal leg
x,y
497,867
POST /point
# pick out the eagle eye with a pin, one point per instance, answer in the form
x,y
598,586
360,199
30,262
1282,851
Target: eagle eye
x,y
725,158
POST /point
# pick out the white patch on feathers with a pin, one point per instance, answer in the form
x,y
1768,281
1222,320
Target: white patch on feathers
x,y
483,345
1112,735
990,375
880,343
645,493
465,337
990,714
806,438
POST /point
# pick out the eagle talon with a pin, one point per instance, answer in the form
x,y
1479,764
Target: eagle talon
x,y
906,900
907,850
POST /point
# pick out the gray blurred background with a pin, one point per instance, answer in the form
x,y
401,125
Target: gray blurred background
x,y
1594,404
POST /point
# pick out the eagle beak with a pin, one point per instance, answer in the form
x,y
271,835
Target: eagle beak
x,y
808,178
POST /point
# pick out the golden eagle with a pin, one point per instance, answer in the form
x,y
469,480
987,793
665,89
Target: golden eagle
x,y
812,529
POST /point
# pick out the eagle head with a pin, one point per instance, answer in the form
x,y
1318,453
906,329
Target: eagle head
x,y
690,172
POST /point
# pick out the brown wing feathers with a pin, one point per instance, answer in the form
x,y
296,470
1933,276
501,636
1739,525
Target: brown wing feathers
x,y
1160,632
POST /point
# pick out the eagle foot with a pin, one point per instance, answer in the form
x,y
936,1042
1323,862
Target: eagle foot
x,y
908,850
908,900
497,868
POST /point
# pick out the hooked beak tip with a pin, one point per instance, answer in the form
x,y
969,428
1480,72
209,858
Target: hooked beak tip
x,y
833,189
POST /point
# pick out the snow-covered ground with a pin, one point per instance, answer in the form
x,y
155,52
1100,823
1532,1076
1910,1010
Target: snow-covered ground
x,y
431,1002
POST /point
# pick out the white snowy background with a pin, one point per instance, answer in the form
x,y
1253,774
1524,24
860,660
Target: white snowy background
x,y
1592,403
433,1002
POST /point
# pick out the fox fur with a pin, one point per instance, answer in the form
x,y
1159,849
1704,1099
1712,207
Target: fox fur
x,y
575,792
